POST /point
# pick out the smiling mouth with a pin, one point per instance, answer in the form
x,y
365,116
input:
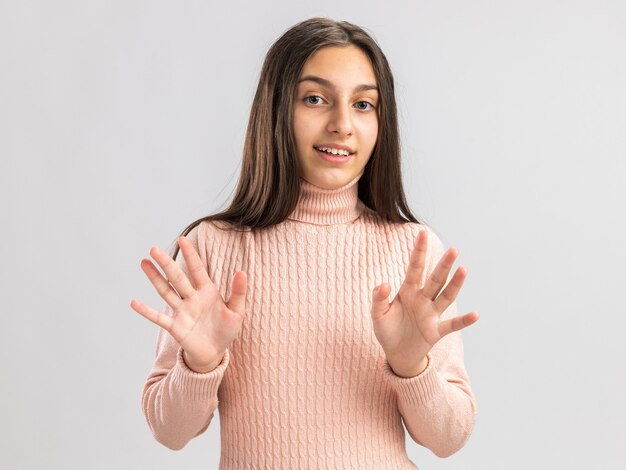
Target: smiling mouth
x,y
334,158
334,152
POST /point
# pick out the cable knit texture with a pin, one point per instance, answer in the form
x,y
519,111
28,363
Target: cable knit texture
x,y
306,384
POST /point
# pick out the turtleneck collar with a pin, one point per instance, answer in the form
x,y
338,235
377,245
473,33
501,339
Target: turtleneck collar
x,y
322,206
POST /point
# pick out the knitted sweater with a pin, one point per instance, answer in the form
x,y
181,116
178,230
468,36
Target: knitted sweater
x,y
306,384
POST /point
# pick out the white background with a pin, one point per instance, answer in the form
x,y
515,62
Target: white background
x,y
123,121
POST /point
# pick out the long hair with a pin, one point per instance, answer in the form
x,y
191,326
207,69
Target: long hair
x,y
268,187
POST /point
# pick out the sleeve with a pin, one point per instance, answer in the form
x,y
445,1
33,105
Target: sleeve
x,y
437,406
177,402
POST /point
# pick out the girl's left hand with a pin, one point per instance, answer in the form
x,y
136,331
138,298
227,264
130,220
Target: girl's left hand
x,y
409,327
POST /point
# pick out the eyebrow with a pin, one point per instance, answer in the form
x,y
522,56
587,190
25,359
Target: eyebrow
x,y
328,84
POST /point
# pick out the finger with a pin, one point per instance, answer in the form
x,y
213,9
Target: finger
x,y
162,286
417,262
380,305
458,323
237,301
449,294
173,271
196,269
439,276
156,317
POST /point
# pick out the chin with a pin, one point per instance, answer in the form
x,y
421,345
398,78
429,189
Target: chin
x,y
331,181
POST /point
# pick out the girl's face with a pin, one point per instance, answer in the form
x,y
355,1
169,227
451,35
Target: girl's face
x,y
336,107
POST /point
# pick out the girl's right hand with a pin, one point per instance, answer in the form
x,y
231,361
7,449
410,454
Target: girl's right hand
x,y
202,324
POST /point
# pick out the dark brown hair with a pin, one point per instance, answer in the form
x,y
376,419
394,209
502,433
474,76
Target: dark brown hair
x,y
268,187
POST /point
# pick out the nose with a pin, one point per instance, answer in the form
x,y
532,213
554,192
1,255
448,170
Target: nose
x,y
340,121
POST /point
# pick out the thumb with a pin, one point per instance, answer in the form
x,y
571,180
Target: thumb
x,y
237,300
379,300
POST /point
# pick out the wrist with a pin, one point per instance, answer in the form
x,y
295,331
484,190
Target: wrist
x,y
408,370
202,368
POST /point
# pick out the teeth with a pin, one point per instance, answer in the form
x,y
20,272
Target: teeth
x,y
334,151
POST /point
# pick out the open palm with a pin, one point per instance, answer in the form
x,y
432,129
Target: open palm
x,y
202,323
411,325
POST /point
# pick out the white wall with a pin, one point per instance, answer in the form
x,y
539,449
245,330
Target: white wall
x,y
121,122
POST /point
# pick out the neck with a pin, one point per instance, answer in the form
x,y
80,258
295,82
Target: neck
x,y
322,206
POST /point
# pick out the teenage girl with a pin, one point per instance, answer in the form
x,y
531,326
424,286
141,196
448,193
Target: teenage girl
x,y
308,362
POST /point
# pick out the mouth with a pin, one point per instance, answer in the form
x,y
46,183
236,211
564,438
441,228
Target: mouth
x,y
337,151
334,155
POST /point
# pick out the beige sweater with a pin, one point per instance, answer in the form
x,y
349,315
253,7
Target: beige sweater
x,y
306,385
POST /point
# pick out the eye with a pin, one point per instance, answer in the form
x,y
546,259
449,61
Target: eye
x,y
307,99
366,103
